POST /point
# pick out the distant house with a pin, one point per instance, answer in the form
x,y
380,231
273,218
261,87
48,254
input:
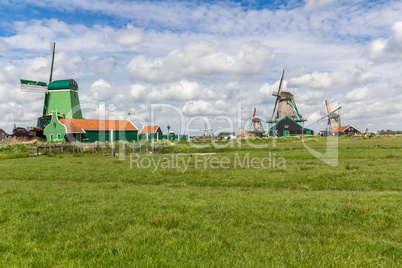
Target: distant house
x,y
288,127
255,133
151,130
89,130
3,135
345,130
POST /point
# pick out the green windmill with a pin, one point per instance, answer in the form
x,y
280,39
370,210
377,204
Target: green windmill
x,y
60,95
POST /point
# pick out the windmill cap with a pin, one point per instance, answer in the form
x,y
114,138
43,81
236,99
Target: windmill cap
x,y
63,84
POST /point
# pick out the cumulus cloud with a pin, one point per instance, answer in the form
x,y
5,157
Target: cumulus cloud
x,y
138,91
201,60
389,49
101,90
202,108
358,94
333,80
181,90
34,33
128,36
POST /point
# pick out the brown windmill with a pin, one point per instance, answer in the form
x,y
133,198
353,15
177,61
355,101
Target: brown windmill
x,y
334,120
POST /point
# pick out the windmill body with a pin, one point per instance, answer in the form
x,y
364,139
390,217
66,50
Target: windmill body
x,y
286,106
63,97
334,121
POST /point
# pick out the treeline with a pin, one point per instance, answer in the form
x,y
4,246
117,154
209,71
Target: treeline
x,y
390,132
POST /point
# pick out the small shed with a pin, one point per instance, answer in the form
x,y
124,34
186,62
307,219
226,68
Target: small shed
x,y
288,127
348,130
151,130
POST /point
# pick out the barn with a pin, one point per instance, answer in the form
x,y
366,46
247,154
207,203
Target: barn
x,y
288,127
89,130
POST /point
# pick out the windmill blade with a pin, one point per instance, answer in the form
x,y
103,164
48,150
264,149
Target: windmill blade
x,y
337,109
322,118
328,107
53,50
273,113
255,109
278,96
280,83
33,86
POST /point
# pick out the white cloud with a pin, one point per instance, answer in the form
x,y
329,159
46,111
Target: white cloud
x,y
389,49
232,85
129,36
181,90
202,108
358,94
333,80
201,60
34,34
138,91
102,90
316,4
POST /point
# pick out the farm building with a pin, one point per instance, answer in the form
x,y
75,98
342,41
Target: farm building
x,y
346,130
155,130
288,127
3,135
89,130
255,133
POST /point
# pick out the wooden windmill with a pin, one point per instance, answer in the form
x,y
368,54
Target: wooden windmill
x,y
286,119
286,105
60,95
334,120
256,129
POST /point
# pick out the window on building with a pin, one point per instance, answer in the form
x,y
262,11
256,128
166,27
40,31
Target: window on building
x,y
286,126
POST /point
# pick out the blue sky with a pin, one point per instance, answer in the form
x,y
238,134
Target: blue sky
x,y
207,59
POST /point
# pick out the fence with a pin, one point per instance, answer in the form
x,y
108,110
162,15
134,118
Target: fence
x,y
145,137
121,148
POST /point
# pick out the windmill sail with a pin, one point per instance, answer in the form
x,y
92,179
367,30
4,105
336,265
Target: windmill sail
x,y
33,86
278,96
53,50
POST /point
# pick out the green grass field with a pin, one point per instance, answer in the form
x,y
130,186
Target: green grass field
x,y
287,208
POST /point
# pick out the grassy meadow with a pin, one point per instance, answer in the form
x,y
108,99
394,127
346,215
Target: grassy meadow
x,y
277,205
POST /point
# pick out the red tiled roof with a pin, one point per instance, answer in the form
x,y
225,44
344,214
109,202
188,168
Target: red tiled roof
x,y
82,125
340,129
149,129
